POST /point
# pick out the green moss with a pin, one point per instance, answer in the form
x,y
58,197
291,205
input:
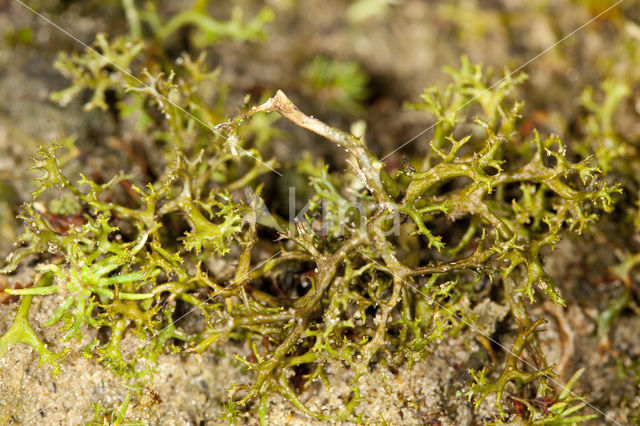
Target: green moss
x,y
342,85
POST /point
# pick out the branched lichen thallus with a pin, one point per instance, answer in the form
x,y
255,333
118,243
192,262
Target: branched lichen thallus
x,y
400,276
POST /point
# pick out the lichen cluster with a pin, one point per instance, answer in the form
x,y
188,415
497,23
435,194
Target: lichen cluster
x,y
382,265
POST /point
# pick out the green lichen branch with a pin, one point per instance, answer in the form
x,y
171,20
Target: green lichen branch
x,y
21,331
482,387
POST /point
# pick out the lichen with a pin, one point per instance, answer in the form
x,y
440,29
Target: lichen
x,y
384,261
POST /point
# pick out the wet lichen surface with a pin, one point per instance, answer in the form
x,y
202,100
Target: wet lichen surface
x,y
251,227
